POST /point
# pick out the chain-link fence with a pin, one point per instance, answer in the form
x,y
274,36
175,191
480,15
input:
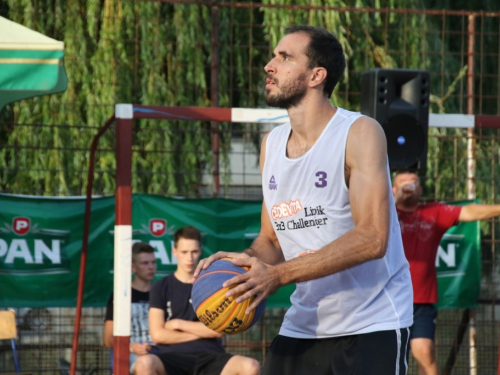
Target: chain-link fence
x,y
203,53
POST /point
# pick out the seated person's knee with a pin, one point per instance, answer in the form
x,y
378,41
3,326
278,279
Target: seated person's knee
x,y
144,362
249,366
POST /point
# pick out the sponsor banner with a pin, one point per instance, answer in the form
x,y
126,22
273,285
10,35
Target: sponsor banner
x,y
41,241
458,265
40,248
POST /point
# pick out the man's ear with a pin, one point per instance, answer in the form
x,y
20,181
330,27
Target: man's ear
x,y
318,77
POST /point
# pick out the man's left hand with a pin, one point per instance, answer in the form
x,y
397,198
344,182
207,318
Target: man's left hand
x,y
259,282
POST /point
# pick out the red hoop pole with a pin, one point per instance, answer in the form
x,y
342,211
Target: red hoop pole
x,y
85,243
122,240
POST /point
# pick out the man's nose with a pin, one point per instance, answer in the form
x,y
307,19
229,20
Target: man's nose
x,y
269,68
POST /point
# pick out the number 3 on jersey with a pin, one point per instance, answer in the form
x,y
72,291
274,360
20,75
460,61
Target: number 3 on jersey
x,y
321,182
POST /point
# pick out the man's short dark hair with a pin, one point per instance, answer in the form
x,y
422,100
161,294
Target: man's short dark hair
x,y
323,51
406,171
141,247
188,233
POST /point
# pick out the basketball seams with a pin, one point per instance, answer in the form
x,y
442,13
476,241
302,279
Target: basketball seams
x,y
218,271
209,289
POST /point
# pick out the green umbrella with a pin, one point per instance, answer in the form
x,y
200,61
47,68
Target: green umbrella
x,y
31,64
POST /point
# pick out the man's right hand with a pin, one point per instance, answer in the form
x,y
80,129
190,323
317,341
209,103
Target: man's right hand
x,y
204,263
404,192
140,348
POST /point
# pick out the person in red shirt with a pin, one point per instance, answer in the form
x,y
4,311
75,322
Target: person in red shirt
x,y
422,227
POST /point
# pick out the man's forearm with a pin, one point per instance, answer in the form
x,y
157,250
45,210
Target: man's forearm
x,y
355,247
195,328
169,337
474,212
266,250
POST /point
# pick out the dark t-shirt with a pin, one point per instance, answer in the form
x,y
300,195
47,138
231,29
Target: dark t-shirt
x,y
174,298
139,330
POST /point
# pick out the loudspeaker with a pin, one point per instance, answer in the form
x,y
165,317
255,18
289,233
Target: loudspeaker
x,y
399,100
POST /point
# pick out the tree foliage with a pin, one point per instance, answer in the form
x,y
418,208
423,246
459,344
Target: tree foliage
x,y
157,53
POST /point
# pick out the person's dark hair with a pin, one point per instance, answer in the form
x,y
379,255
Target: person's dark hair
x,y
405,171
189,233
324,51
141,247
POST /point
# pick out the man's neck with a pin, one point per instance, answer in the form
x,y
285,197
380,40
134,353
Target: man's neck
x,y
307,123
310,114
183,276
407,208
141,285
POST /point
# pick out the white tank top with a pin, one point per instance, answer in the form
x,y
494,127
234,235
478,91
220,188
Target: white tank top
x,y
308,203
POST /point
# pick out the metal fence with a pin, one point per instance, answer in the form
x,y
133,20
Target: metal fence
x,y
460,49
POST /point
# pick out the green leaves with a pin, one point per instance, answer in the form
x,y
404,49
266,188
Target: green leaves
x,y
157,53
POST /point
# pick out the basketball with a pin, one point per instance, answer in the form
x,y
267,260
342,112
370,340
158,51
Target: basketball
x,y
218,312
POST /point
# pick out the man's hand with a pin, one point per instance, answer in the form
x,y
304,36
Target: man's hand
x,y
139,348
404,191
204,263
261,281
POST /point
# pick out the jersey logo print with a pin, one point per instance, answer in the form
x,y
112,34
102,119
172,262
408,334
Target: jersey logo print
x,y
286,209
272,184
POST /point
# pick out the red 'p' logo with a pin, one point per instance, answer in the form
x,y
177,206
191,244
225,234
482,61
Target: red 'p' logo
x,y
21,225
157,227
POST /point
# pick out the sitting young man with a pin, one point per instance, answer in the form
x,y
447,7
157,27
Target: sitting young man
x,y
186,346
144,270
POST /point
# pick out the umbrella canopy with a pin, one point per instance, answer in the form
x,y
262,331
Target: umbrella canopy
x,y
31,63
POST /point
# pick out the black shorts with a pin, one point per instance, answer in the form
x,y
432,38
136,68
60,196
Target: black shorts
x,y
194,363
376,353
424,321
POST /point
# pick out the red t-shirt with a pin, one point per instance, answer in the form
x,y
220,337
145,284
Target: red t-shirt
x,y
422,231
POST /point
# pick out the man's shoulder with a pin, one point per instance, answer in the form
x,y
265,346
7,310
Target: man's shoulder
x,y
434,206
162,283
439,210
110,298
279,131
347,113
139,295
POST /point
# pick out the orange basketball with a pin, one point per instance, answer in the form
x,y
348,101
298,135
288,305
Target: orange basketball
x,y
218,312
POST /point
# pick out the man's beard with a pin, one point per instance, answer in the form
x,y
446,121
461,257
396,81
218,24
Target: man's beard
x,y
291,94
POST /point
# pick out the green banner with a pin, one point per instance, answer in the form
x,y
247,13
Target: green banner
x,y
41,240
458,265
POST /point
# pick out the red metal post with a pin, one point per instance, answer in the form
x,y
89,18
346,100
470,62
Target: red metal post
x,y
85,242
122,240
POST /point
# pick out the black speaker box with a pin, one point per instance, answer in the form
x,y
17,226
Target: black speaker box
x,y
399,100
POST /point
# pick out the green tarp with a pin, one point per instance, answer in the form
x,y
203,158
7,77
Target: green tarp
x,y
31,64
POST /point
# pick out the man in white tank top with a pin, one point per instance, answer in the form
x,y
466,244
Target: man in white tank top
x,y
329,225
